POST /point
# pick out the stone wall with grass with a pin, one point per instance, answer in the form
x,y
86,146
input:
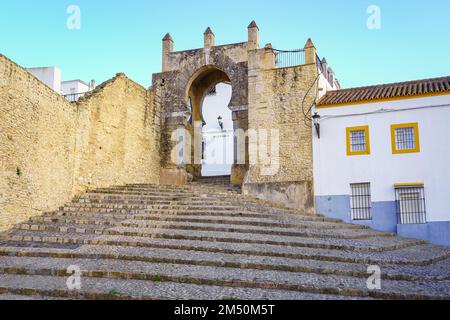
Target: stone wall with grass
x,y
37,146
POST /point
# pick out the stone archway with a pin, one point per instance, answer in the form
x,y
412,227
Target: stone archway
x,y
201,81
197,88
186,76
267,100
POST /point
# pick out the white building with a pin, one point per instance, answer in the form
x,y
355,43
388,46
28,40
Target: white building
x,y
327,79
51,76
72,89
383,157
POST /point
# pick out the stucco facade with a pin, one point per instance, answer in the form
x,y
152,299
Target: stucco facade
x,y
335,170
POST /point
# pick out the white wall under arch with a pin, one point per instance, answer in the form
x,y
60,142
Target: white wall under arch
x,y
219,152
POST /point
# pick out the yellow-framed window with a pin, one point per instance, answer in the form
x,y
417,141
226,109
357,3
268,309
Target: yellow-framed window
x,y
405,138
358,141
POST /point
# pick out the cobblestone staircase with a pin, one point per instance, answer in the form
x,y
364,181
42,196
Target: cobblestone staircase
x,y
207,241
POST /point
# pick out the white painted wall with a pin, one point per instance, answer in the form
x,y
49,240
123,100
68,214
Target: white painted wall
x,y
334,170
51,76
74,87
219,152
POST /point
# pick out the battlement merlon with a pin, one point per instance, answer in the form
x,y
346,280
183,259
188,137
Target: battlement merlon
x,y
237,51
240,53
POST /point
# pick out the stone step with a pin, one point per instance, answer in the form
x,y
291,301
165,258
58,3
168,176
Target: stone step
x,y
227,277
188,195
410,255
205,240
199,200
190,185
143,192
211,182
144,214
207,229
225,177
123,220
113,289
175,198
131,196
360,245
151,195
190,210
187,188
184,206
183,202
439,271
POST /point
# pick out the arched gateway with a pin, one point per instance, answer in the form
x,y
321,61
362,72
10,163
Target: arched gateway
x,y
269,105
209,96
185,80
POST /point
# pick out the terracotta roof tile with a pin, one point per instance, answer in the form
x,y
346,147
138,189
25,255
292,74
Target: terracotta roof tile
x,y
387,91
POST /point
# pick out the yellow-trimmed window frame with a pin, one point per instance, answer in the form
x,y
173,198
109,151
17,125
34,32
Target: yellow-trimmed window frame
x,y
349,146
415,126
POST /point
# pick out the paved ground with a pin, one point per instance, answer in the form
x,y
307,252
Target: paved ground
x,y
207,241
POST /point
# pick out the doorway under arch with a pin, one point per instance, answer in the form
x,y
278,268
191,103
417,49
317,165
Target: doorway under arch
x,y
217,133
208,96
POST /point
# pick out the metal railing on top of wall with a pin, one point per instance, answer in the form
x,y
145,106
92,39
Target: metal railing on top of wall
x,y
289,58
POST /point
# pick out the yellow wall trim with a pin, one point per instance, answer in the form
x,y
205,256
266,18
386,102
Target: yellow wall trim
x,y
416,138
349,148
414,184
369,101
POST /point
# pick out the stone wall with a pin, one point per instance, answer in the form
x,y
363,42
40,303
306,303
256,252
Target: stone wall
x,y
118,136
190,73
276,100
184,67
37,142
51,150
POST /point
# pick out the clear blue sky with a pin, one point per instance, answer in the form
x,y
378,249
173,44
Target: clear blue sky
x,y
125,36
